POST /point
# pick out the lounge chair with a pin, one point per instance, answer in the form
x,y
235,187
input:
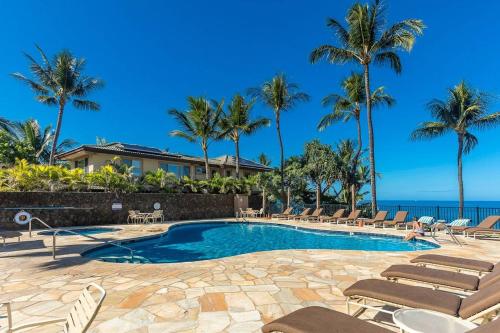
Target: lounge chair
x,y
379,217
441,278
316,319
338,214
351,217
10,234
486,225
398,220
485,228
482,304
79,318
284,215
304,213
455,263
314,216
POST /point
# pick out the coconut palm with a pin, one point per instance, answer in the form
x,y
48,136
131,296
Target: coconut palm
x,y
464,109
348,107
237,122
5,125
366,41
59,82
279,95
264,160
199,122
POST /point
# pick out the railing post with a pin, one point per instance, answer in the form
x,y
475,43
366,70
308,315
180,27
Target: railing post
x,y
477,215
437,212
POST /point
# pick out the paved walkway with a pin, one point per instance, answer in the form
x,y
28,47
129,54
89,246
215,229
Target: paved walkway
x,y
235,294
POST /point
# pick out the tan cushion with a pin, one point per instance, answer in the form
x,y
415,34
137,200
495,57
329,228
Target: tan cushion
x,y
491,327
490,278
481,300
405,295
315,319
478,265
430,275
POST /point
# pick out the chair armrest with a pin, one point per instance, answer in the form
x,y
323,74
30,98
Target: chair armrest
x,y
39,323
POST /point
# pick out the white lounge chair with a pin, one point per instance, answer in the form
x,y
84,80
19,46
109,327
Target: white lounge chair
x,y
77,321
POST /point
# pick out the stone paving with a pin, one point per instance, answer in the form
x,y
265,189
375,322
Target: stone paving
x,y
234,294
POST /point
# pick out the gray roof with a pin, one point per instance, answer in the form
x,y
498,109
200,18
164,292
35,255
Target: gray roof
x,y
126,149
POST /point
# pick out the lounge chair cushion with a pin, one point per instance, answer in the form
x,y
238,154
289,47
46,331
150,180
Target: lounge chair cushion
x,y
430,275
477,265
406,295
315,319
491,327
480,301
490,278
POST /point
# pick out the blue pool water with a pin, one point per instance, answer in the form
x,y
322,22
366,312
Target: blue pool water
x,y
83,231
202,241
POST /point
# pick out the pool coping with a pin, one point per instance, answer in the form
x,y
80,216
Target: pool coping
x,y
256,222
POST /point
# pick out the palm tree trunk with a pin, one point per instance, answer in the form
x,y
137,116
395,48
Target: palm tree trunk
x,y
205,155
371,143
460,180
53,150
318,195
237,144
282,156
360,144
353,198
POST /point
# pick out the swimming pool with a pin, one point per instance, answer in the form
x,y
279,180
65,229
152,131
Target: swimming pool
x,y
212,240
83,231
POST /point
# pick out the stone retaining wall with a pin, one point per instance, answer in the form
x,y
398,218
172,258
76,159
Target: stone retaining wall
x,y
98,207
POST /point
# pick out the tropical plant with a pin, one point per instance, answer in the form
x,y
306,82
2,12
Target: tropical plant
x,y
348,106
279,95
464,109
238,122
160,180
365,41
264,160
110,179
319,167
27,140
59,82
199,122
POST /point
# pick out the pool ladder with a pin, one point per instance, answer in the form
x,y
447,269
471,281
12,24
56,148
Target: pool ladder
x,y
56,231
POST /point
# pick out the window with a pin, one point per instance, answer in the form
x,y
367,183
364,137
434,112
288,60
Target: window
x,y
136,166
228,173
200,170
179,170
82,164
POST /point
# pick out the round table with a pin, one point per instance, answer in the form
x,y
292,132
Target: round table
x,y
426,321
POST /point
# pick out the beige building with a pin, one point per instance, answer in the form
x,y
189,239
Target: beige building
x,y
143,159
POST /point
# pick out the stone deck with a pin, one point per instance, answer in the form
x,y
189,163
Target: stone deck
x,y
235,294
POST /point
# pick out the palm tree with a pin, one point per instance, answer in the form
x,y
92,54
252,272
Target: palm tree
x,y
464,109
264,160
280,95
237,122
365,40
59,82
348,107
199,122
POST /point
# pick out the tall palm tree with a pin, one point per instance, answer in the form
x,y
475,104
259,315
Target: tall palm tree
x,y
237,122
58,82
348,107
465,109
279,95
366,40
199,122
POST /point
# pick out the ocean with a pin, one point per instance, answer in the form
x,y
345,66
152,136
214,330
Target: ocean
x,y
434,203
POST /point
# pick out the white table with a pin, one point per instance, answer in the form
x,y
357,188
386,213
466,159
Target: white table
x,y
425,321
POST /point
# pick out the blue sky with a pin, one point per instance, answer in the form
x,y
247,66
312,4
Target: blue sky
x,y
152,54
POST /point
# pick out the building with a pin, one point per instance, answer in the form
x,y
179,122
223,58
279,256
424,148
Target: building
x,y
143,159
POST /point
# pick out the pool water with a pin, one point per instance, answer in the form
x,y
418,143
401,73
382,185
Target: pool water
x,y
202,241
83,231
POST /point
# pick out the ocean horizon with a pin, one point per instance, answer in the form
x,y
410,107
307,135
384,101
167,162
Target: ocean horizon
x,y
441,203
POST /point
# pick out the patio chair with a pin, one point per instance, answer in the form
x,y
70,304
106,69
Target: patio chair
x,y
134,216
304,213
398,220
379,217
485,228
258,213
78,319
338,214
351,217
155,216
285,214
486,225
438,278
316,319
456,263
482,304
314,216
